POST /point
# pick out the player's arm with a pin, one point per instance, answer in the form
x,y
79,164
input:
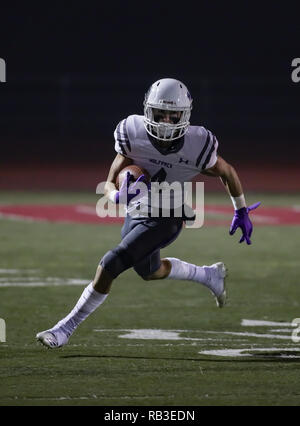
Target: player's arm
x,y
229,178
119,163
231,181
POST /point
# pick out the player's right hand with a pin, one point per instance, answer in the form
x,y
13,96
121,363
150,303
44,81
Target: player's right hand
x,y
129,191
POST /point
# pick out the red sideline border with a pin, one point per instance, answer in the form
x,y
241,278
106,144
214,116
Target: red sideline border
x,y
215,215
270,177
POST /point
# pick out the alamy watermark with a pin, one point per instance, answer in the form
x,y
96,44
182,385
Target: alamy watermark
x,y
296,323
296,71
2,331
163,199
2,71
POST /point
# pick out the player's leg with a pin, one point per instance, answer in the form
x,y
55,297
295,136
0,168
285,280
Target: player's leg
x,y
92,297
151,267
140,237
212,277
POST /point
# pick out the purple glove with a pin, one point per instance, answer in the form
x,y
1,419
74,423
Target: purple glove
x,y
242,220
122,196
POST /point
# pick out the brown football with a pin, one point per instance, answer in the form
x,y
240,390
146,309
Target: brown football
x,y
135,171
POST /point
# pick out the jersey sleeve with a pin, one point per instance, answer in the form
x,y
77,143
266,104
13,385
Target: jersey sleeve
x,y
122,143
208,155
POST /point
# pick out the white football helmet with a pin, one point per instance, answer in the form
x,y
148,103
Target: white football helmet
x,y
167,95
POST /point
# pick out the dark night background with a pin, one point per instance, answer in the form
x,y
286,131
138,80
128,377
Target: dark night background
x,y
75,69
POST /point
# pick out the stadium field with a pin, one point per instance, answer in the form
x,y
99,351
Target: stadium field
x,y
161,343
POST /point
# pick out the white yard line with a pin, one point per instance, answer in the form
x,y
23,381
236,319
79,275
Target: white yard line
x,y
87,397
46,282
246,352
259,323
152,334
20,218
246,334
18,271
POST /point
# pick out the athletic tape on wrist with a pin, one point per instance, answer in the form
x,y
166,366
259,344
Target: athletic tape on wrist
x,y
238,202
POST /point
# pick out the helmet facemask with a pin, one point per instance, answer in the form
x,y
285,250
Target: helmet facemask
x,y
166,129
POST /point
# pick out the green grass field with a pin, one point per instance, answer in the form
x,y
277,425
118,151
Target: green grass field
x,y
100,367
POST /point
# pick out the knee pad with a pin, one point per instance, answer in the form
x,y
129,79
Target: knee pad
x,y
116,261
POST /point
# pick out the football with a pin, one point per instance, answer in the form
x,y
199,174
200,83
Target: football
x,y
135,171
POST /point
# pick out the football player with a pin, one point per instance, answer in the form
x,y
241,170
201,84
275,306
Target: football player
x,y
163,142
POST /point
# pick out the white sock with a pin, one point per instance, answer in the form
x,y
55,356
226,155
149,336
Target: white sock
x,y
187,271
87,303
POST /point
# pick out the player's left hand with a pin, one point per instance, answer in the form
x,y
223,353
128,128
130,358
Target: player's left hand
x,y
242,220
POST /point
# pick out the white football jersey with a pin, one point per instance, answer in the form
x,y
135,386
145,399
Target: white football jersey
x,y
193,153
